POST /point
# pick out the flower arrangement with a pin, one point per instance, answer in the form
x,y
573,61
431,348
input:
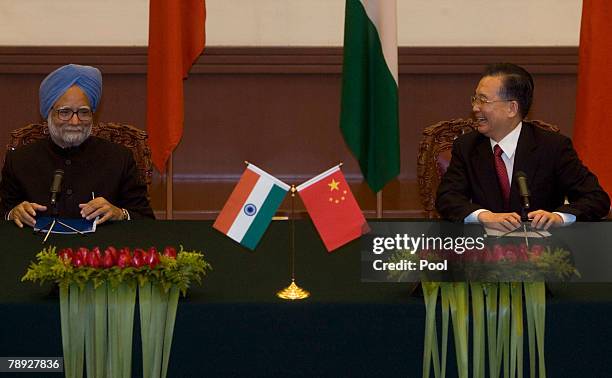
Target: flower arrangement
x,y
508,262
83,265
505,285
97,299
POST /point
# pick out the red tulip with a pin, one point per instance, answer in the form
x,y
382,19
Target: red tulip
x,y
473,255
498,253
141,253
137,260
152,259
108,261
82,253
170,252
125,259
113,253
93,260
511,253
66,254
77,262
522,252
536,251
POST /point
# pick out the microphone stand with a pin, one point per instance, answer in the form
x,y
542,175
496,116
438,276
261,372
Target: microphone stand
x,y
525,219
525,222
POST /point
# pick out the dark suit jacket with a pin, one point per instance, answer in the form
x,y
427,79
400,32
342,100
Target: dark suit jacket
x,y
97,165
553,172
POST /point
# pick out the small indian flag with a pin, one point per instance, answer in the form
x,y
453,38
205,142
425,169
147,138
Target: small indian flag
x,y
249,209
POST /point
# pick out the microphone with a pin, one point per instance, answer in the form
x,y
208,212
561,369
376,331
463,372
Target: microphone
x,y
56,185
521,180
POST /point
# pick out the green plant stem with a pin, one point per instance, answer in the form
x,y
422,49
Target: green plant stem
x,y
64,295
159,307
173,297
89,324
539,289
77,331
430,293
148,345
459,303
530,310
114,367
445,290
478,329
516,338
127,300
503,328
491,290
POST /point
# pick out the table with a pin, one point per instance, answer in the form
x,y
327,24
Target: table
x,y
233,324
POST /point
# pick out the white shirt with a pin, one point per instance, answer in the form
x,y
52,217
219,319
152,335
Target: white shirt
x,y
508,145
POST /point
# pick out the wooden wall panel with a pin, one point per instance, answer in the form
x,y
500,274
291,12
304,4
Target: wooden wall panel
x,y
279,108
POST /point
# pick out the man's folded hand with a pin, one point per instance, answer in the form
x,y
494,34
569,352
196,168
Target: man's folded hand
x,y
500,221
100,207
25,213
543,219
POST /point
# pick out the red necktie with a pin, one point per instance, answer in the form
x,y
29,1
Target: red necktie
x,y
502,174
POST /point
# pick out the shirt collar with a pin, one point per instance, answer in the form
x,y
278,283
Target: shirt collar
x,y
510,141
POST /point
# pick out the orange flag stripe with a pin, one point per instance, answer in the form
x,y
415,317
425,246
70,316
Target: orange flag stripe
x,y
237,199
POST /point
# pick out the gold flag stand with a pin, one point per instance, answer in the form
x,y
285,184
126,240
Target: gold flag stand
x,y
293,291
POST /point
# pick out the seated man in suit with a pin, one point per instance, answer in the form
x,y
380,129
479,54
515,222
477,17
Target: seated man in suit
x,y
100,177
478,185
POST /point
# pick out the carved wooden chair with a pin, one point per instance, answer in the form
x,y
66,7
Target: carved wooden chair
x,y
129,136
435,155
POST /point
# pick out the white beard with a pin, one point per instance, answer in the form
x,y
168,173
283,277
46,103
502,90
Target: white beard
x,y
68,135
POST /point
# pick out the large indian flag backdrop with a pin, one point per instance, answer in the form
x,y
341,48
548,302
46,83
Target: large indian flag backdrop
x,y
369,112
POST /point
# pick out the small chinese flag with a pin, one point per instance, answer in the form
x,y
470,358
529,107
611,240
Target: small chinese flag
x,y
333,208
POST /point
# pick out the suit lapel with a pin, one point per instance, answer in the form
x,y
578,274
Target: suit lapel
x,y
482,161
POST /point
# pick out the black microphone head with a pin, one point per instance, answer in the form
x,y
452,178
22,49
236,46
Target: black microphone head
x,y
58,175
523,188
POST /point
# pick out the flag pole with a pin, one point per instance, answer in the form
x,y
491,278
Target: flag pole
x,y
293,291
169,182
379,204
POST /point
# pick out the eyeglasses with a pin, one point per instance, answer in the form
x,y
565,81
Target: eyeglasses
x,y
66,114
479,100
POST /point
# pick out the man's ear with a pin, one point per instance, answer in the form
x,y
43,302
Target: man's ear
x,y
513,109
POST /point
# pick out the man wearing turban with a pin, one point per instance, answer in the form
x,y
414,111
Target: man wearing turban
x,y
100,177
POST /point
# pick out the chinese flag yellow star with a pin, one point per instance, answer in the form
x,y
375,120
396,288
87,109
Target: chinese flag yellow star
x,y
333,209
333,185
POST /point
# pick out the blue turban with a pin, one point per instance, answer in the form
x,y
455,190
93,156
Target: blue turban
x,y
88,78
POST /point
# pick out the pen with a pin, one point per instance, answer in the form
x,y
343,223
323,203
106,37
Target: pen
x,y
93,197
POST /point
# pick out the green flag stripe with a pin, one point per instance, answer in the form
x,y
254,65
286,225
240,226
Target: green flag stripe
x,y
369,113
263,217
